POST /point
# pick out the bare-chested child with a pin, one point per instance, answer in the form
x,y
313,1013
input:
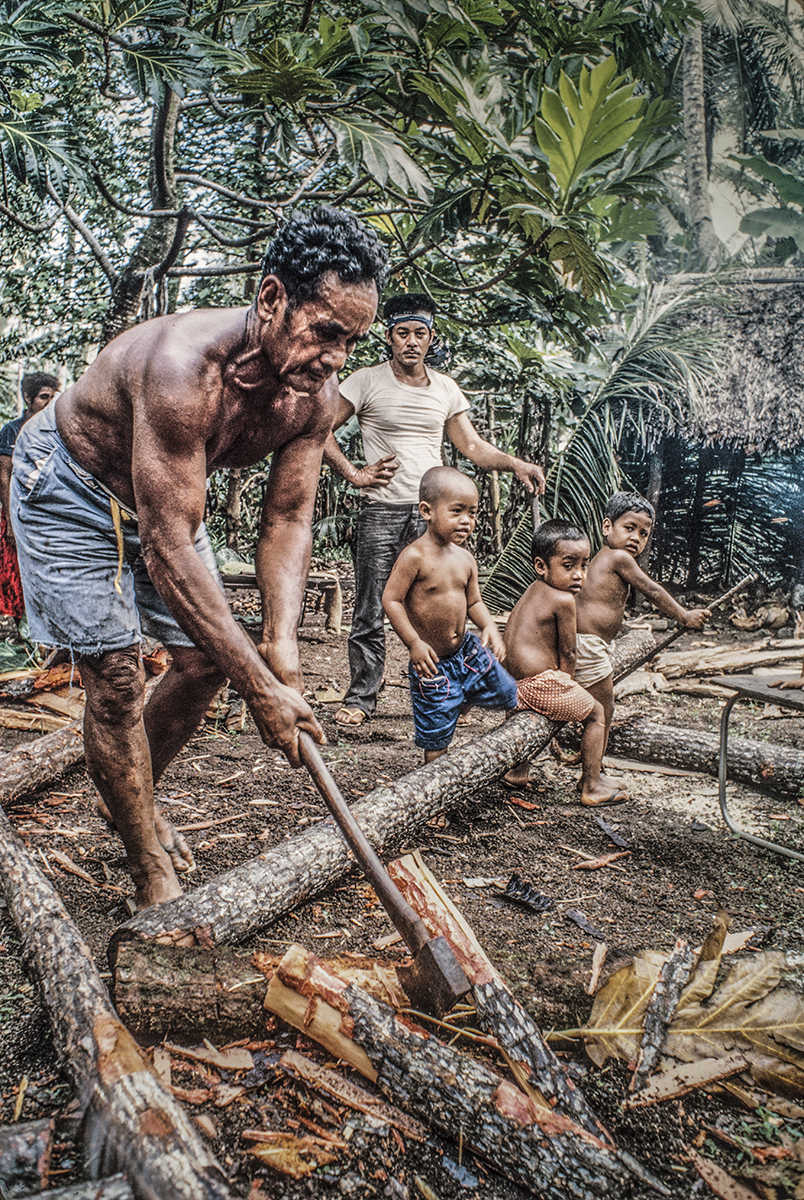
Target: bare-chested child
x,y
431,590
540,654
601,605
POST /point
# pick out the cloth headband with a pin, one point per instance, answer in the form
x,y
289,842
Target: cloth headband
x,y
424,318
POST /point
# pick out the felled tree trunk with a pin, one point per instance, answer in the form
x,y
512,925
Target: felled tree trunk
x,y
762,765
25,1156
45,758
131,1123
187,992
238,903
539,1149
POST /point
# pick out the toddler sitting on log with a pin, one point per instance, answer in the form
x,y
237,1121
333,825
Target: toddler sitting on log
x,y
431,590
600,606
540,653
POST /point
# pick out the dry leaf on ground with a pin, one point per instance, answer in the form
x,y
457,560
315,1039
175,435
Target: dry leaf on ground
x,y
294,1156
753,1011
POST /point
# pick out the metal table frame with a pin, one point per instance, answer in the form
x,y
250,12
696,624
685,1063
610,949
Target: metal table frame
x,y
749,687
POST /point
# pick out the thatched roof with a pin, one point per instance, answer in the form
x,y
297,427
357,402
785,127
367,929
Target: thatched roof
x,y
757,400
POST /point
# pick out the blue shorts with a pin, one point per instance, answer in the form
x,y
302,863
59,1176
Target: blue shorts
x,y
86,587
472,675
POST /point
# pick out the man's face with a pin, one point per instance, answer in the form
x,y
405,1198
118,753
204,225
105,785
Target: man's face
x,y
409,342
306,344
41,399
629,532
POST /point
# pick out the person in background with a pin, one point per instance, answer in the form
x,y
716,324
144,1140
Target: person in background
x,y
404,408
38,389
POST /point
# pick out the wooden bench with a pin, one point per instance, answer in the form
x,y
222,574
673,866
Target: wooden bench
x,y
322,589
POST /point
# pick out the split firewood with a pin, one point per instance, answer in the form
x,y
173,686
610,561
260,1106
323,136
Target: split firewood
x,y
346,1091
764,766
730,659
25,1149
239,902
543,1151
115,1187
131,1123
672,980
190,993
70,704
15,718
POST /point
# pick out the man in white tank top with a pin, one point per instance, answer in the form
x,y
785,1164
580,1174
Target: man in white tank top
x,y
404,407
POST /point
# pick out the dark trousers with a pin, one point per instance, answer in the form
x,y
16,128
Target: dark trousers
x,y
383,530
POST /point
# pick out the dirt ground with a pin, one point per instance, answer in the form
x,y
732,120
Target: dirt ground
x,y
683,867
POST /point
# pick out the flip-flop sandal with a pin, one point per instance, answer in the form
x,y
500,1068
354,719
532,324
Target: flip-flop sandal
x,y
528,785
615,796
350,717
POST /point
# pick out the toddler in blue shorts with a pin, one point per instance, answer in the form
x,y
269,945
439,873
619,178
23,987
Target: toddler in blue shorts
x,y
431,591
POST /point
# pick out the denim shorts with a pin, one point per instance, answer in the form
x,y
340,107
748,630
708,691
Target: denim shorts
x,y
470,676
85,584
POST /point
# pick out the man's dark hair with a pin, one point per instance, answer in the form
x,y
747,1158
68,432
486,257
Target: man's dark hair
x,y
549,534
309,245
408,302
623,502
31,385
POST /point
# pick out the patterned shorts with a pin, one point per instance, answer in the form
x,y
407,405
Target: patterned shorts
x,y
556,695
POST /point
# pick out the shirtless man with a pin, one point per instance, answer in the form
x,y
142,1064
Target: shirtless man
x,y
108,497
432,589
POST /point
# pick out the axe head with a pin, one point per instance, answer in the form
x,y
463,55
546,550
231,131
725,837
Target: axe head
x,y
435,982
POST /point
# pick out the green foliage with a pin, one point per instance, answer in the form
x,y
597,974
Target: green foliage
x,y
785,221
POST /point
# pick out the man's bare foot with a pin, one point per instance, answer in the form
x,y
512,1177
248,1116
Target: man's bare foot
x,y
602,793
156,885
171,841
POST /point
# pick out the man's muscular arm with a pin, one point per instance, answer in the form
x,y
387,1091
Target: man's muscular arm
x,y
631,573
170,427
465,438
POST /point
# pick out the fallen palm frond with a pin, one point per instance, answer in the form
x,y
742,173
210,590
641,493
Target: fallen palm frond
x,y
755,1010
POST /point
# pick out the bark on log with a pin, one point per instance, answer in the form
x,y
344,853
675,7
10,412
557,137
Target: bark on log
x,y
25,1156
116,1187
766,766
38,762
131,1123
189,993
238,903
539,1149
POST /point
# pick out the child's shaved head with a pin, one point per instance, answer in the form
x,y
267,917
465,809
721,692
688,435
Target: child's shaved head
x,y
623,502
550,533
439,480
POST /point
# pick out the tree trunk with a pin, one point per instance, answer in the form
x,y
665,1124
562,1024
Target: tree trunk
x,y
116,1187
137,291
41,761
234,491
761,765
25,1156
706,247
539,1149
236,904
131,1123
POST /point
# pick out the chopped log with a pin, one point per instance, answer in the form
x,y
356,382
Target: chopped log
x,y
189,993
765,766
131,1123
238,903
68,703
116,1187
539,1149
25,1156
16,718
721,660
38,762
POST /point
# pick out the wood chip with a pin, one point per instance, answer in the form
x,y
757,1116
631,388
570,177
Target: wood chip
x,y
236,1059
686,1077
605,860
66,863
598,959
196,825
